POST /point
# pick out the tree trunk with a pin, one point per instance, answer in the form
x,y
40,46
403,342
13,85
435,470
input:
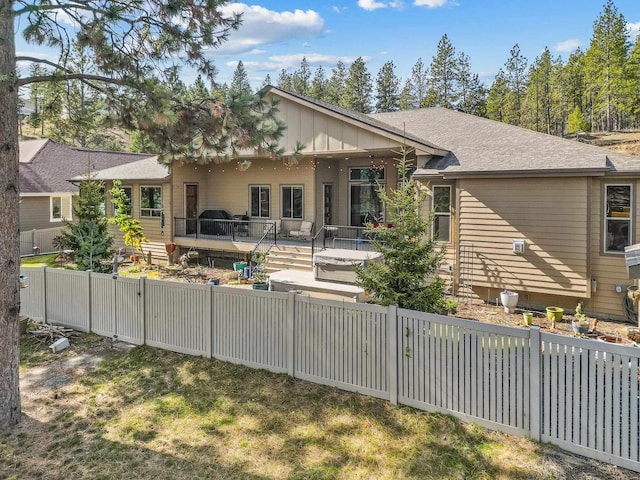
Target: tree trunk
x,y
9,224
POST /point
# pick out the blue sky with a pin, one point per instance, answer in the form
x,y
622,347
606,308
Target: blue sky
x,y
276,34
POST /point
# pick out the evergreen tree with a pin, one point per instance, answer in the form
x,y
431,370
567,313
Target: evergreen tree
x,y
130,227
516,76
538,95
443,88
36,96
387,89
497,99
407,275
632,76
416,87
358,88
577,122
140,142
240,82
574,81
266,81
336,83
302,78
605,60
87,235
285,80
319,84
473,96
198,92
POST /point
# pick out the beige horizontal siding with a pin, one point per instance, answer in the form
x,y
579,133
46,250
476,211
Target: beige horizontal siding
x,y
549,214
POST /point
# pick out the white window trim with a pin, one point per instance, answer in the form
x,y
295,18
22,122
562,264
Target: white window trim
x,y
606,219
268,187
301,187
159,210
442,214
66,207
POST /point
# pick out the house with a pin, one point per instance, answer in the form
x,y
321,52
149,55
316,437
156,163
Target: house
x,y
518,210
46,195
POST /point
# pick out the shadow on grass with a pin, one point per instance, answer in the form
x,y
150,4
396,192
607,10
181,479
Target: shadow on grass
x,y
157,414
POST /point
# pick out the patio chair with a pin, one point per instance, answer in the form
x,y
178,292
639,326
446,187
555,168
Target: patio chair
x,y
304,232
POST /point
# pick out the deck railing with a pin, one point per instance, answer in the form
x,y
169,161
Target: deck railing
x,y
339,236
251,231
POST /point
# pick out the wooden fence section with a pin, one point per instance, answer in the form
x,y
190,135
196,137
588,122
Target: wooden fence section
x,y
581,395
43,239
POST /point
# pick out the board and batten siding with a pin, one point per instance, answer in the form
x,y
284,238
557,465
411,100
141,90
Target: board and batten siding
x,y
609,269
320,132
549,214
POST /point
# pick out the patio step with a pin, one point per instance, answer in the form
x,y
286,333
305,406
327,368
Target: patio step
x,y
289,258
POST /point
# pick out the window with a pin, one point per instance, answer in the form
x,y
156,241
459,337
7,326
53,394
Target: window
x,y
150,201
259,201
365,204
442,214
292,202
617,223
56,209
129,193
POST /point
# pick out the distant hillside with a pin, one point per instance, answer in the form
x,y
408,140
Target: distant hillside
x,y
623,142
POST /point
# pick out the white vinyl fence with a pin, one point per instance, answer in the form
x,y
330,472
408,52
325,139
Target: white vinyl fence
x,y
42,239
581,395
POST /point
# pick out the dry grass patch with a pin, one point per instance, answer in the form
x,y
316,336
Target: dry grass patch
x,y
155,414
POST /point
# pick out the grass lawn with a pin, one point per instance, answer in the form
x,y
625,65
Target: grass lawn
x,y
150,413
48,260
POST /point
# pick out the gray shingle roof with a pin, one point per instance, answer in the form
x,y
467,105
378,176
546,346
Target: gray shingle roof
x,y
145,169
479,145
49,167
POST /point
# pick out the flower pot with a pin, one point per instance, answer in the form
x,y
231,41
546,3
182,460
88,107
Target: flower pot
x,y
134,258
527,317
509,301
580,328
554,314
261,286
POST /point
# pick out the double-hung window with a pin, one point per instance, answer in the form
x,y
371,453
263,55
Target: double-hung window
x,y
259,199
292,201
150,201
442,214
56,209
618,214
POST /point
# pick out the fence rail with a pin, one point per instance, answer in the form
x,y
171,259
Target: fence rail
x,y
578,394
39,241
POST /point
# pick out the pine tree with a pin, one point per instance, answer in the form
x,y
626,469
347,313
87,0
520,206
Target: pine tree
x,y
87,235
407,275
198,92
605,61
498,98
285,80
302,78
473,96
335,85
443,88
36,96
632,76
358,88
577,123
573,78
387,89
319,84
267,81
538,94
240,82
416,87
516,76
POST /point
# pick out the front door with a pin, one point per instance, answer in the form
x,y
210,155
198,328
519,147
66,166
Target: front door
x,y
191,207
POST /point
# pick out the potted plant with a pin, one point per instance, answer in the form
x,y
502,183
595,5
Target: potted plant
x,y
450,306
527,317
260,281
554,314
580,324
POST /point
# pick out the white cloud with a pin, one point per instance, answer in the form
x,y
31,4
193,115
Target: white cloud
x,y
567,45
275,63
430,3
261,26
337,9
371,5
633,29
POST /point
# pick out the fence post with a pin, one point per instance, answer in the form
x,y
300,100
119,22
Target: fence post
x,y
392,352
142,311
535,383
209,325
44,293
291,323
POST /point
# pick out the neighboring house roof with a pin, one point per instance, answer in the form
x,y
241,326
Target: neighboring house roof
x,y
145,169
46,166
480,146
361,119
